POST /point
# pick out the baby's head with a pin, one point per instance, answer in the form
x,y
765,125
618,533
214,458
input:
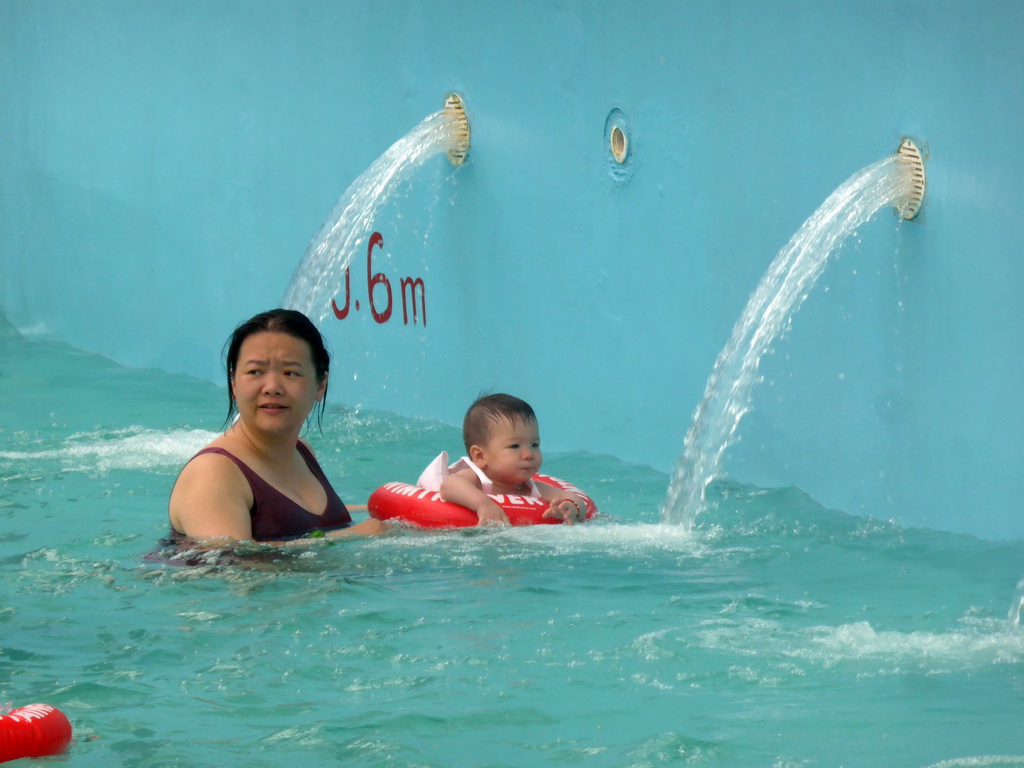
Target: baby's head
x,y
489,410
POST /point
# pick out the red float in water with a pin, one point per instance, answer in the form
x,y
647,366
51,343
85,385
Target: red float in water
x,y
37,730
413,504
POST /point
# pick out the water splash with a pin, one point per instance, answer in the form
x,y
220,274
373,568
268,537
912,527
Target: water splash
x,y
331,250
1016,614
102,451
781,291
981,761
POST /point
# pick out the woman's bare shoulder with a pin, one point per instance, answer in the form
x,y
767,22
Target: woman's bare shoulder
x,y
209,472
211,488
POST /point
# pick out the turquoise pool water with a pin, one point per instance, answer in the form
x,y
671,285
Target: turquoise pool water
x,y
779,633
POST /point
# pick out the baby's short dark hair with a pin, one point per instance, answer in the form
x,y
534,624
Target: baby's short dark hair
x,y
488,409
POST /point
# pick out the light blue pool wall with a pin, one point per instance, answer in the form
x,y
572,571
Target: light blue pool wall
x,y
164,166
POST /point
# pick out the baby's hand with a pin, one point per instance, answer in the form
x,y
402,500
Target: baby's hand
x,y
489,513
568,510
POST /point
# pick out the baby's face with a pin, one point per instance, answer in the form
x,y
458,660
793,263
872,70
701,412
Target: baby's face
x,y
511,455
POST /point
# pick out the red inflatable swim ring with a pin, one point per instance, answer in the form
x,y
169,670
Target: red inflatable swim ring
x,y
413,504
37,730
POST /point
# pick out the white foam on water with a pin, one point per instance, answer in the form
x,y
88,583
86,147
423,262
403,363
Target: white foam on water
x,y
981,761
974,647
618,540
128,448
882,651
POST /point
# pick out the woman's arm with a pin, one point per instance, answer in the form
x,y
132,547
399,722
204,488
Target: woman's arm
x,y
210,504
370,527
211,501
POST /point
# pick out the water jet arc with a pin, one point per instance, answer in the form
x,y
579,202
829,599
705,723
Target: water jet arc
x,y
897,180
350,223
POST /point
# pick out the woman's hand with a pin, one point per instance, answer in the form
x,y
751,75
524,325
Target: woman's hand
x,y
369,527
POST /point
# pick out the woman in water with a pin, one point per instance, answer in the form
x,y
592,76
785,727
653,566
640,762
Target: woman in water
x,y
260,481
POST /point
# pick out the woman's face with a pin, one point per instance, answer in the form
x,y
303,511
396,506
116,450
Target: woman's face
x,y
275,383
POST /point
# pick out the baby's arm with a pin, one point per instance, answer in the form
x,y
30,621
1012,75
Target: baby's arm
x,y
568,507
463,487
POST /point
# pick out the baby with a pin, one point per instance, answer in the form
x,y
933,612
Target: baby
x,y
503,444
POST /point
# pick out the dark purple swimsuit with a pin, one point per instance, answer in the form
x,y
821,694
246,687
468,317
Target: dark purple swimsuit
x,y
274,515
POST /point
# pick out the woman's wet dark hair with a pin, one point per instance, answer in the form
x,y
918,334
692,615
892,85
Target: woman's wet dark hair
x,y
287,321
